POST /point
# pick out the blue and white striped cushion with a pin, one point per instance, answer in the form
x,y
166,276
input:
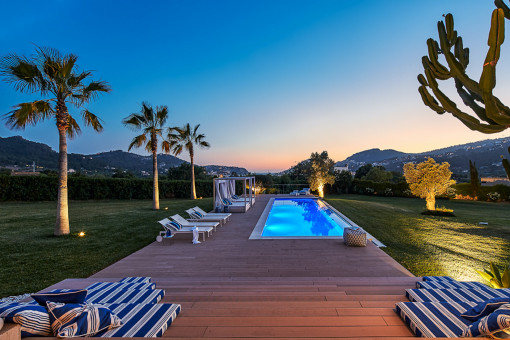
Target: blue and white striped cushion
x,y
496,324
451,285
136,279
484,308
123,285
73,320
433,319
235,197
195,215
121,295
142,320
199,214
455,295
226,202
438,278
174,225
33,318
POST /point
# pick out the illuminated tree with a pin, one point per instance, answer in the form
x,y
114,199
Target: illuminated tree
x,y
151,122
321,172
428,180
55,78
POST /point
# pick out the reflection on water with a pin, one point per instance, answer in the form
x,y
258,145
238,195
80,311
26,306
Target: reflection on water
x,y
300,217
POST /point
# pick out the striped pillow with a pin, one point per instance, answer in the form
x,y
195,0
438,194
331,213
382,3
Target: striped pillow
x,y
484,308
33,319
496,324
235,196
195,215
226,202
72,320
71,296
199,214
174,225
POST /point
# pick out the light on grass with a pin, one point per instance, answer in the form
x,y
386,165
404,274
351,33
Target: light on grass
x,y
81,234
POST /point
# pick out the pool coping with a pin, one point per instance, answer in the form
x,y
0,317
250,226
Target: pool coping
x,y
256,234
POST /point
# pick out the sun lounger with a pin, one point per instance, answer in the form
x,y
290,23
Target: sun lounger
x,y
438,278
204,230
434,319
304,191
186,223
294,193
451,285
454,295
136,279
197,217
199,210
121,285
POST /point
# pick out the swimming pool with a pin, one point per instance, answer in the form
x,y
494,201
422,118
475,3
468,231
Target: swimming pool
x,y
302,217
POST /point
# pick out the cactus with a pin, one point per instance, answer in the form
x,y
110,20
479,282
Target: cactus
x,y
490,114
506,164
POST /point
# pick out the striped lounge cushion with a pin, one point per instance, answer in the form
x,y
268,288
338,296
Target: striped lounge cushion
x,y
33,318
451,285
455,295
226,202
438,278
140,320
235,197
433,319
136,279
199,214
174,225
196,215
121,295
496,325
123,285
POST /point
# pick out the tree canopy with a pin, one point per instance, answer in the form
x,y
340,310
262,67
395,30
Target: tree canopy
x,y
321,171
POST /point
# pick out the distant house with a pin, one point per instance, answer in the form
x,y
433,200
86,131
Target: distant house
x,y
494,180
341,168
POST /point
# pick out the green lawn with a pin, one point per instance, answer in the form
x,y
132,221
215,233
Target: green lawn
x,y
426,245
31,258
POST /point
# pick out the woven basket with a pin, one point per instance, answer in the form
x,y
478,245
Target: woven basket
x,y
355,237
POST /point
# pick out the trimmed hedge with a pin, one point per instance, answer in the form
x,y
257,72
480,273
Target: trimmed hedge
x,y
364,187
44,188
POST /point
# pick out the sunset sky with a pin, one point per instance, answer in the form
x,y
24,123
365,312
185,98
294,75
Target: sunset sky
x,y
269,81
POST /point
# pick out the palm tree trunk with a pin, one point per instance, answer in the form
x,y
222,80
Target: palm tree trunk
x,y
62,224
193,192
155,187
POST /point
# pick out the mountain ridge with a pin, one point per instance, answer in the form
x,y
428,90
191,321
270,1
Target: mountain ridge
x,y
17,151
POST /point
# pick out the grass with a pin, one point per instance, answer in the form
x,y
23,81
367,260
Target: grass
x,y
31,258
431,245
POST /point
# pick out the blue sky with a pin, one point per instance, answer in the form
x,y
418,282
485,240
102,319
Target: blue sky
x,y
269,81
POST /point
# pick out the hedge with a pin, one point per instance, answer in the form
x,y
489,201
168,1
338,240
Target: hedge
x,y
44,188
464,189
359,186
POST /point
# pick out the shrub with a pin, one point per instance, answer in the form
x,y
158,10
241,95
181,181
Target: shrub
x,y
439,212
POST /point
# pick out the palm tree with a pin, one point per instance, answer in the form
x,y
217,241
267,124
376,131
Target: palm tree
x,y
185,137
151,123
56,78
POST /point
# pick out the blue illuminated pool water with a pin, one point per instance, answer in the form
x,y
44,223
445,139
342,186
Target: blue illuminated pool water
x,y
302,217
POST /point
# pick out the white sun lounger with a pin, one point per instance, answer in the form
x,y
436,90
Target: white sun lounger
x,y
211,214
184,230
195,217
185,223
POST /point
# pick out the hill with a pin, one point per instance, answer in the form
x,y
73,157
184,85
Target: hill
x,y
18,152
486,154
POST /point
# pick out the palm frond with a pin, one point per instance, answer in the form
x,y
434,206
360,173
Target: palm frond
x,y
92,120
148,113
165,146
161,115
177,149
28,114
73,129
137,142
134,121
68,62
204,144
93,89
23,73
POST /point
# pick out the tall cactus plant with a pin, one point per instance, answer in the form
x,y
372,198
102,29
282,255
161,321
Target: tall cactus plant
x,y
489,114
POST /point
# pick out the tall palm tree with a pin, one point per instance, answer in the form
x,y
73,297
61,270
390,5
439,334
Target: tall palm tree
x,y
186,138
56,78
151,123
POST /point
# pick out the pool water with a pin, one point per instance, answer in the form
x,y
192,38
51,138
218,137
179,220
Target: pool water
x,y
310,217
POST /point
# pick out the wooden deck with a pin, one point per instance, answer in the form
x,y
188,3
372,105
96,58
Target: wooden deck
x,y
232,287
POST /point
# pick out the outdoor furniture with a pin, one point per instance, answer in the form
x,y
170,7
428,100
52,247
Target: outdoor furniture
x,y
205,214
304,191
451,285
140,319
188,224
455,295
294,193
355,237
204,230
197,217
